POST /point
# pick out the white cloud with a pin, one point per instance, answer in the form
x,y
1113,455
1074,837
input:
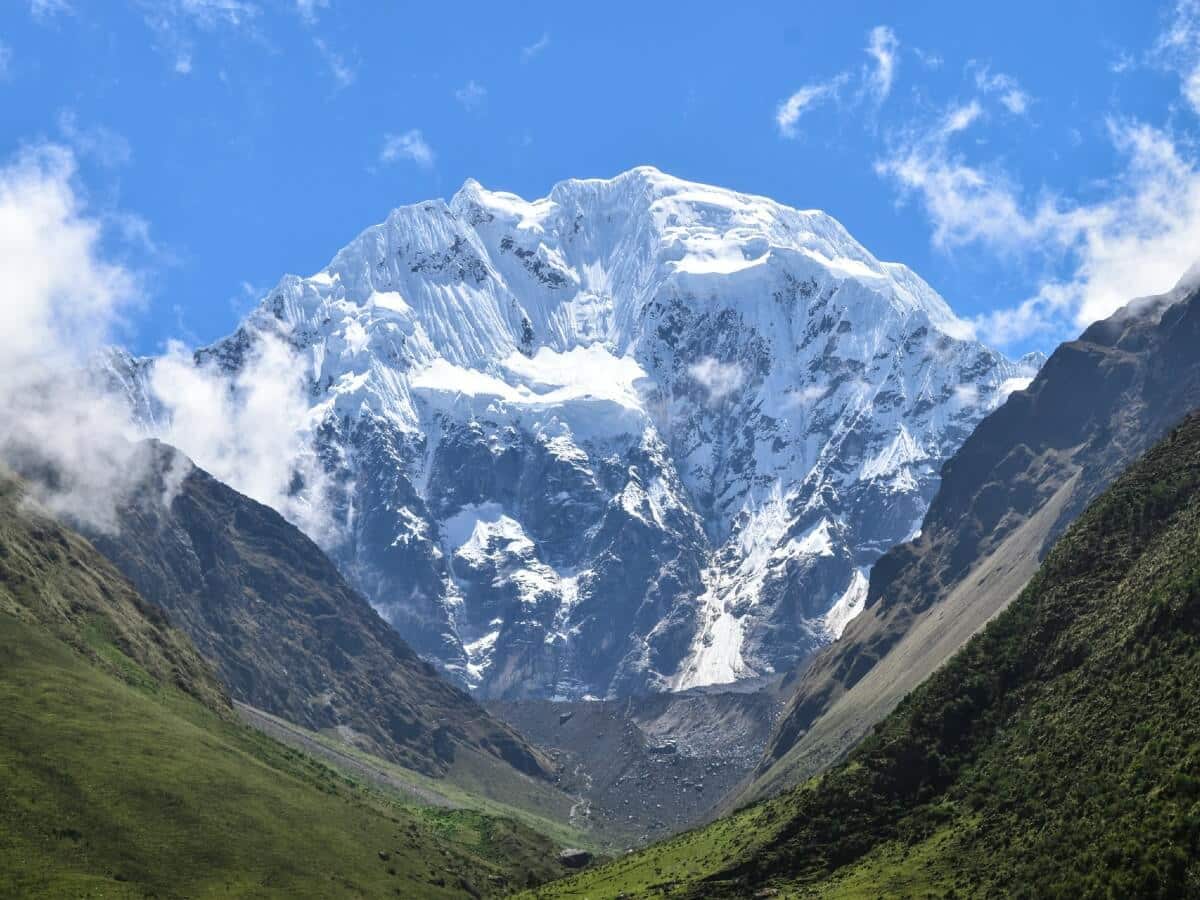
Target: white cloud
x,y
1136,241
343,73
532,50
966,394
252,430
1178,49
928,59
788,113
61,297
45,9
1016,102
883,47
1124,62
210,13
308,9
875,81
411,146
175,23
5,60
104,145
63,300
807,395
1009,92
471,95
960,118
718,378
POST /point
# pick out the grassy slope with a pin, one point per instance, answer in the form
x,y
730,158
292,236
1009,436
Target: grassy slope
x,y
470,784
124,773
1057,755
112,788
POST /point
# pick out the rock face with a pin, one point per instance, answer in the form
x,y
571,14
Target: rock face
x,y
574,859
284,630
641,434
1023,476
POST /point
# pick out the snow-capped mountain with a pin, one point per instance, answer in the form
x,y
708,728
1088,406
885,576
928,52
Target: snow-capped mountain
x,y
641,434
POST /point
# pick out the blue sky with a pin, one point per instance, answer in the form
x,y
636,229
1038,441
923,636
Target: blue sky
x,y
1034,161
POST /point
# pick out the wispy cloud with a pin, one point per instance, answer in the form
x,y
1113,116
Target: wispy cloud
x,y
45,9
960,118
251,429
1122,63
875,81
5,61
410,145
63,302
720,379
343,73
1137,237
1136,241
104,145
788,113
530,51
307,9
471,95
1178,48
1009,92
882,47
175,22
928,59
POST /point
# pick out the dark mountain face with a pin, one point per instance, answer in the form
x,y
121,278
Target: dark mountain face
x,y
284,630
1022,477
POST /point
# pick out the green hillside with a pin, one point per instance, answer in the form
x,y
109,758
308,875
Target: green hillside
x,y
124,773
1057,755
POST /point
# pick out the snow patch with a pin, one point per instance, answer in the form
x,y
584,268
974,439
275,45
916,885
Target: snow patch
x,y
848,605
716,653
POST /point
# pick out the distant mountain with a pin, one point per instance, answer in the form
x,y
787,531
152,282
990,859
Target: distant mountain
x,y
284,630
126,774
1022,477
1055,756
641,434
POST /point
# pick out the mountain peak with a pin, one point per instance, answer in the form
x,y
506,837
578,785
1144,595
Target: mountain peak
x,y
641,433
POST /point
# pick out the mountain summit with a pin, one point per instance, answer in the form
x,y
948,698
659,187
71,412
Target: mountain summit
x,y
640,434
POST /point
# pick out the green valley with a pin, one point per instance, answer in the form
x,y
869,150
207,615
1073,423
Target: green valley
x,y
124,772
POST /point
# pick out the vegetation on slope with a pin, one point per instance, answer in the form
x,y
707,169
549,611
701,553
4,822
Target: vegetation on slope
x,y
123,772
51,576
1057,755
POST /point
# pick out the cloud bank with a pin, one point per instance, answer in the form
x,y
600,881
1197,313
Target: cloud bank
x,y
62,423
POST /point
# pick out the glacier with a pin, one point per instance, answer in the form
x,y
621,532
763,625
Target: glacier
x,y
638,435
